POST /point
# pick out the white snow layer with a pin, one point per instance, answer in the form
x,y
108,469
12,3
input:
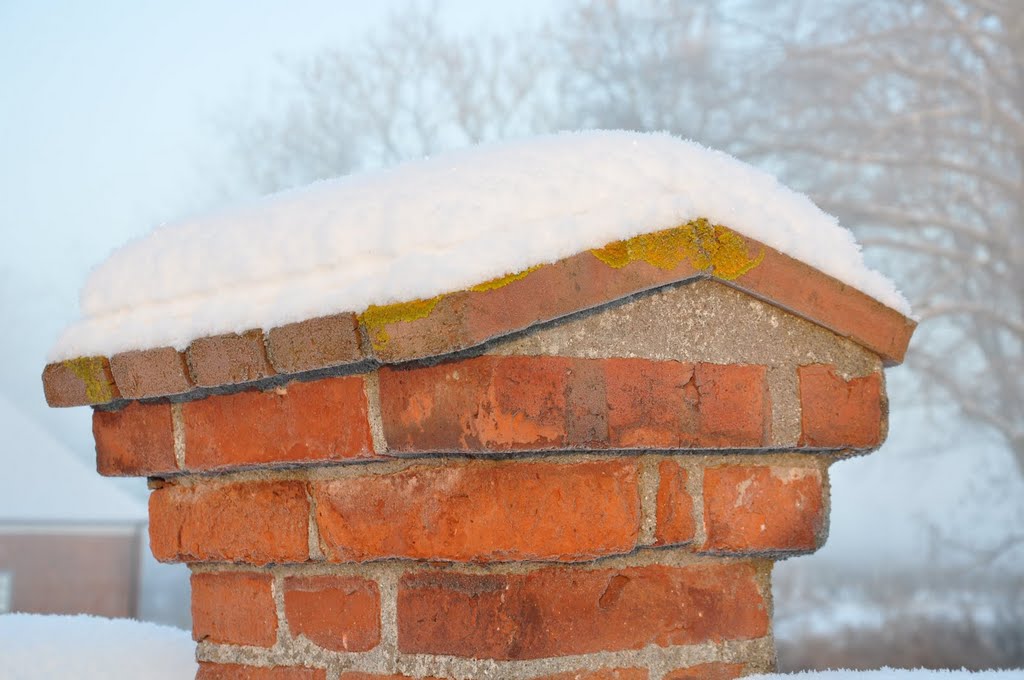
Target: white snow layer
x,y
34,647
434,226
37,647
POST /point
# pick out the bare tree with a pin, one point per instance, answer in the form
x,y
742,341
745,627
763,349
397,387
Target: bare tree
x,y
406,92
906,119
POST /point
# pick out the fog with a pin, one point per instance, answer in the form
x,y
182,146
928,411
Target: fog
x,y
121,116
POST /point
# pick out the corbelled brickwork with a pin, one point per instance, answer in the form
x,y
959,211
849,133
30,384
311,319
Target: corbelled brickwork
x,y
600,497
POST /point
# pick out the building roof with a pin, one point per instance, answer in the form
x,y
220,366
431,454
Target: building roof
x,y
441,255
44,482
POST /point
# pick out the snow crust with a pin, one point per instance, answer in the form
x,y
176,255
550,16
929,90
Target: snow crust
x,y
44,482
434,226
37,647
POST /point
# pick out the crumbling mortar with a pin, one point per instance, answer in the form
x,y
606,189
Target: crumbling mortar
x,y
178,431
647,487
756,653
371,387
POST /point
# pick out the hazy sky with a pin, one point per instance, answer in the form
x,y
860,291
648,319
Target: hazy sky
x,y
106,129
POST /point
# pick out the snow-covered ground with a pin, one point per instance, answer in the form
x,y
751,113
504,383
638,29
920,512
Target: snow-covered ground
x,y
439,225
34,647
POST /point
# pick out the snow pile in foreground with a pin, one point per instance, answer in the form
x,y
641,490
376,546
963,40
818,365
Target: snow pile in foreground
x,y
36,647
434,226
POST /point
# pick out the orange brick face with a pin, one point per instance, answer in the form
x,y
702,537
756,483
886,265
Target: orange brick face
x,y
136,440
838,413
252,522
495,403
762,508
482,511
558,612
341,614
675,522
301,422
230,671
233,608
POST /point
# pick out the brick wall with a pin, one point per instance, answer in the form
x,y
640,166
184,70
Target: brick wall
x,y
582,501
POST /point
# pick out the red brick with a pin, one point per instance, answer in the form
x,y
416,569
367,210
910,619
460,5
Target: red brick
x,y
228,359
150,373
564,611
734,406
675,522
603,674
253,522
482,511
136,440
314,343
838,413
233,608
760,508
708,671
339,613
301,422
77,382
230,671
651,404
485,403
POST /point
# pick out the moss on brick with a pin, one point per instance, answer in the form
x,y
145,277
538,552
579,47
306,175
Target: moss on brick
x,y
702,244
92,372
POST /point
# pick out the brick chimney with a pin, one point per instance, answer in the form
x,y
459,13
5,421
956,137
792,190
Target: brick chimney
x,y
583,470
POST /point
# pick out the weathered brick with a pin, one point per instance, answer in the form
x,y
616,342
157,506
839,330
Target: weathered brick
x,y
77,382
563,611
838,413
150,373
234,608
651,404
734,407
228,359
253,522
137,440
751,508
314,343
301,422
675,522
601,674
339,613
230,671
502,403
484,403
482,511
708,671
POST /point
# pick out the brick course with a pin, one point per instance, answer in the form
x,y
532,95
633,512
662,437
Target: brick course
x,y
482,511
558,612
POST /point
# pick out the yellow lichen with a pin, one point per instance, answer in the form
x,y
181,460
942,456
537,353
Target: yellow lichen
x,y
702,244
92,372
503,281
376,318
